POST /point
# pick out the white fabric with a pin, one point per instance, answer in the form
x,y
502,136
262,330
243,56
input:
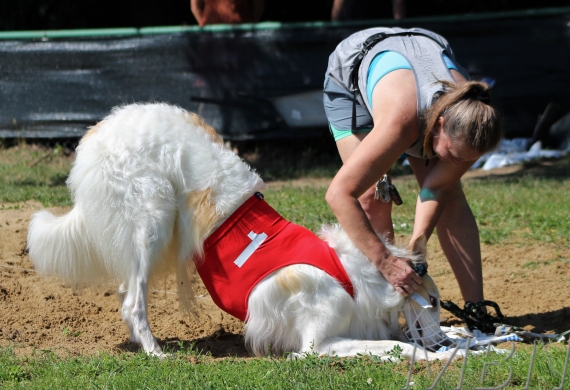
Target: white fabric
x,y
514,151
476,339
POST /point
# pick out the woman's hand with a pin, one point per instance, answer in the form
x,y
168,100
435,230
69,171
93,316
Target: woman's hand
x,y
399,273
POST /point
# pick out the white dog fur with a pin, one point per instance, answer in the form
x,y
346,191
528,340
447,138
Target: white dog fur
x,y
150,183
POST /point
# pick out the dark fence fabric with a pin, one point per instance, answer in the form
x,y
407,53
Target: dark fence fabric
x,y
57,87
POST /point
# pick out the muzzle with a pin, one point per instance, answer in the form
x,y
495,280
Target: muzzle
x,y
423,329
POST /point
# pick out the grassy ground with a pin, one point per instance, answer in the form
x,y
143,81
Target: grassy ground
x,y
529,207
35,172
531,204
189,369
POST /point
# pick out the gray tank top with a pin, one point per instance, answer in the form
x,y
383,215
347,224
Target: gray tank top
x,y
423,49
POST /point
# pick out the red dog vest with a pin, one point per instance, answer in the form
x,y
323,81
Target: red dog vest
x,y
252,243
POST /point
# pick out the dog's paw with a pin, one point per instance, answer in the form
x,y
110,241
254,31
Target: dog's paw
x,y
295,356
161,355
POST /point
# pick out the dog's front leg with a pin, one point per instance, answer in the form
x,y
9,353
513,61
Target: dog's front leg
x,y
385,349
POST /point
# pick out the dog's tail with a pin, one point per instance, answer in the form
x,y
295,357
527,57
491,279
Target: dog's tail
x,y
61,246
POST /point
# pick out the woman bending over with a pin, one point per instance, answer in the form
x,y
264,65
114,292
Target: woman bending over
x,y
390,92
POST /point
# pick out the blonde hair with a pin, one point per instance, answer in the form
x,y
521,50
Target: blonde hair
x,y
469,117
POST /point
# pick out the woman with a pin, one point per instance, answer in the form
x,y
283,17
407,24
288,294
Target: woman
x,y
394,92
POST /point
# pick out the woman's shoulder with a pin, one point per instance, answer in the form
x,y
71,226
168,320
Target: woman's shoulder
x,y
394,101
395,88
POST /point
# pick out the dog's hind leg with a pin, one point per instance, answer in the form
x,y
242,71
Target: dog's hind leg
x,y
134,312
121,293
150,238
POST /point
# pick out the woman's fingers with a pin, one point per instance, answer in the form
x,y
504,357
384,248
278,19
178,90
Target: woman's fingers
x,y
400,275
401,291
417,278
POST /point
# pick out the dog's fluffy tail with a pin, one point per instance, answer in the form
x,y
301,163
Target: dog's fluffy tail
x,y
61,246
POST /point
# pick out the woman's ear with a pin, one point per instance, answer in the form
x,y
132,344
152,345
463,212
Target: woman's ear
x,y
440,124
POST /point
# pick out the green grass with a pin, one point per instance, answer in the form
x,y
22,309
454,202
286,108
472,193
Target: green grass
x,y
521,208
306,206
527,207
31,172
187,368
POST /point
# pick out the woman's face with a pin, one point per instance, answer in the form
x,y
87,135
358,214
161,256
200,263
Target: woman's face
x,y
453,151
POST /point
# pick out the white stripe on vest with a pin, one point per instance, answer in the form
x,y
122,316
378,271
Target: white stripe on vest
x,y
256,241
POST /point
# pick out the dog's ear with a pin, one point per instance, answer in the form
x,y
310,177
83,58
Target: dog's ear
x,y
418,246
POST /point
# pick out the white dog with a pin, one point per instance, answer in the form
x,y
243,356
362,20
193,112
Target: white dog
x,y
153,184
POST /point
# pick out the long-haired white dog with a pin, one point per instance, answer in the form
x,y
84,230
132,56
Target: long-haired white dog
x,y
152,182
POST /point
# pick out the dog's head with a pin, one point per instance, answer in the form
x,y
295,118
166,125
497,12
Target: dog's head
x,y
422,308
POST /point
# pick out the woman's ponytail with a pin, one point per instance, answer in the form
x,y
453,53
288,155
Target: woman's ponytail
x,y
469,116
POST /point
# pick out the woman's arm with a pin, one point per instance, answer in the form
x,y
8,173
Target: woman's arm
x,y
437,184
395,129
456,227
